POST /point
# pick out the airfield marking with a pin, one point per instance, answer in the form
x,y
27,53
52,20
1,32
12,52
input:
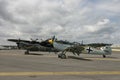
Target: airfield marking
x,y
59,73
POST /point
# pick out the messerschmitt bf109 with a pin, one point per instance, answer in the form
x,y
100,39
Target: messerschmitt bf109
x,y
95,49
34,45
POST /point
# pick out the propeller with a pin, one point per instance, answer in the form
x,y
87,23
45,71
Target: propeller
x,y
18,43
50,41
53,38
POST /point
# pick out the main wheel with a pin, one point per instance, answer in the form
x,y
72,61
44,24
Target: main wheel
x,y
63,56
59,55
26,52
104,56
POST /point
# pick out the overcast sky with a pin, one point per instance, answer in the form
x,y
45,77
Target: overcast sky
x,y
73,20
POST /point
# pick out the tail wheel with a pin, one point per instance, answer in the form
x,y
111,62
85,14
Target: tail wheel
x,y
26,52
62,56
59,55
104,56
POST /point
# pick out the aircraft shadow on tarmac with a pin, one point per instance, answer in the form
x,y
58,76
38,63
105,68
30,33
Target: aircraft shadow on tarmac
x,y
35,54
108,57
112,57
78,58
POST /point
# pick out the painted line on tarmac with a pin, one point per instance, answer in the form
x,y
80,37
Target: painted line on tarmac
x,y
59,73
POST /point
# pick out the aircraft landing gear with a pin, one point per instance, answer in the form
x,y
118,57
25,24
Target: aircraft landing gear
x,y
62,56
27,52
104,56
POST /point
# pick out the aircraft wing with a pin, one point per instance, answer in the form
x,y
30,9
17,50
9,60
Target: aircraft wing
x,y
45,43
60,46
18,40
98,44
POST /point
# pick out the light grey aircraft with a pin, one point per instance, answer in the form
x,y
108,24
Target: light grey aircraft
x,y
78,49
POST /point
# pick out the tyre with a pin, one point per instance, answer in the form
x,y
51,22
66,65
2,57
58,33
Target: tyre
x,y
104,56
63,56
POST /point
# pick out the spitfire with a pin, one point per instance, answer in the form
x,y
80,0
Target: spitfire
x,y
34,45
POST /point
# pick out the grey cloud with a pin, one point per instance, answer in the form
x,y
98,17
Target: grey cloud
x,y
3,10
73,20
6,15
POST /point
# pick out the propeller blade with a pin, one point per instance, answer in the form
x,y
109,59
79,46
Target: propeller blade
x,y
18,43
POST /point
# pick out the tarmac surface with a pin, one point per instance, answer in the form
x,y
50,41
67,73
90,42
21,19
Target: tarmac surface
x,y
14,65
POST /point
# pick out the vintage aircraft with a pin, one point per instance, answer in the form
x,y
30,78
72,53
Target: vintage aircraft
x,y
4,47
54,45
35,45
96,49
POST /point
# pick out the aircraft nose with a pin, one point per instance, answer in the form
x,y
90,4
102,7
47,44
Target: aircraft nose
x,y
50,41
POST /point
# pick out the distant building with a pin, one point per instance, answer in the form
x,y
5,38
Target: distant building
x,y
115,45
7,47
